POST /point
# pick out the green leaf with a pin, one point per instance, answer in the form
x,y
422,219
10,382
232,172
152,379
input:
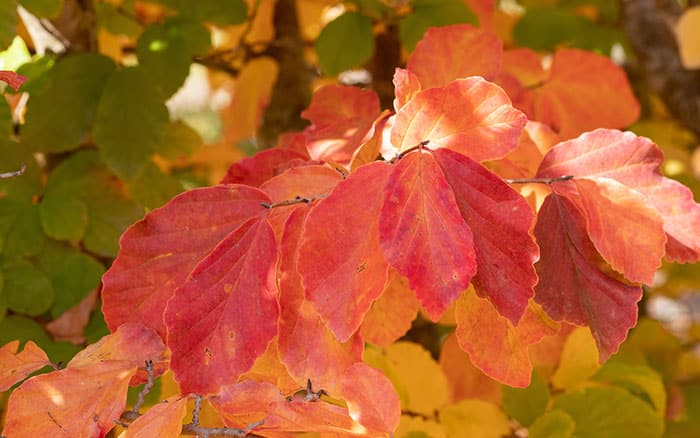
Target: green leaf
x,y
63,218
73,275
432,13
37,73
221,12
152,188
603,412
549,27
8,22
23,187
59,118
345,43
165,52
5,119
649,343
27,290
20,229
129,122
640,380
15,55
691,396
3,300
25,329
526,404
609,11
43,8
178,141
115,22
84,178
553,424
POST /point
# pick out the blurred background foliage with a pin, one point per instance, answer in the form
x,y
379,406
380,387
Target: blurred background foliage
x,y
129,102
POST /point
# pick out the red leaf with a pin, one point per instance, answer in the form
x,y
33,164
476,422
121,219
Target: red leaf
x,y
584,91
246,402
324,359
471,116
73,402
224,315
340,261
341,118
12,79
131,342
158,252
454,52
635,162
15,365
255,170
406,86
371,398
496,346
572,286
422,234
164,420
501,221
391,314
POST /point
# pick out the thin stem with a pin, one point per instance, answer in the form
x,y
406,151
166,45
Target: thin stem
x,y
538,180
19,172
146,388
418,147
296,200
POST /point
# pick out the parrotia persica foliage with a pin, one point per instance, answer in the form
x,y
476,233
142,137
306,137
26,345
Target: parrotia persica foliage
x,y
279,275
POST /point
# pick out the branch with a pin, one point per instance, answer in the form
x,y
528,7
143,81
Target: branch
x,y
538,180
19,172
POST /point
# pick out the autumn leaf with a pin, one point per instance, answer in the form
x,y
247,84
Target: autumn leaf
x,y
255,170
391,314
163,420
341,118
470,116
464,379
572,286
325,359
16,365
371,399
73,402
158,252
340,260
422,234
453,52
634,162
584,91
406,86
12,79
216,336
501,222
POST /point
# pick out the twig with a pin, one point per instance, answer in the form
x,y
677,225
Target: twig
x,y
14,173
417,147
146,388
197,409
539,180
296,200
208,432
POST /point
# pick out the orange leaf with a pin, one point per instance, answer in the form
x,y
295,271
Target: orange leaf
x,y
406,86
501,222
584,91
157,253
134,343
71,324
15,366
244,403
471,116
73,402
422,234
464,379
391,315
268,368
224,315
454,52
372,148
371,398
305,181
164,420
340,261
324,359
341,120
494,344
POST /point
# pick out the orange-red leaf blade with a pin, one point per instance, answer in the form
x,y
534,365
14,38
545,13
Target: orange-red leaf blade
x,y
422,234
224,315
164,420
16,365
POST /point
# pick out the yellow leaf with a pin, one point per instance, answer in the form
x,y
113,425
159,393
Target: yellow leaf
x,y
417,426
418,379
475,419
688,37
579,359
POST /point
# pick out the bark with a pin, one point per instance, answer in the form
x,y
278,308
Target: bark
x,y
649,28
